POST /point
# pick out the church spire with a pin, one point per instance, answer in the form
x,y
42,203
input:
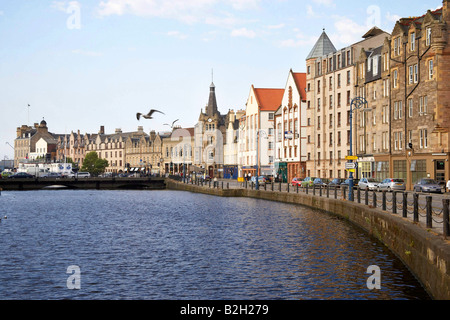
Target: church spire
x,y
211,109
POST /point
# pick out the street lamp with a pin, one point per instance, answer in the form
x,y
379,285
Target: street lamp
x,y
257,156
357,103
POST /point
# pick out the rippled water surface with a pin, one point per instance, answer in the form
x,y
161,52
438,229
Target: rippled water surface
x,y
179,245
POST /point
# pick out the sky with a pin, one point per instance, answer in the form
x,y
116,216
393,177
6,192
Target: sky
x,y
90,63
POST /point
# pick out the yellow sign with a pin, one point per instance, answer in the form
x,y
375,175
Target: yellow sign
x,y
351,170
351,158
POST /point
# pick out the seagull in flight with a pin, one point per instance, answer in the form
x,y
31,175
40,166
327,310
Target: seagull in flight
x,y
147,116
173,123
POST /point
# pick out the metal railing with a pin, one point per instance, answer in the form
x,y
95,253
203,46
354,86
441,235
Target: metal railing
x,y
396,202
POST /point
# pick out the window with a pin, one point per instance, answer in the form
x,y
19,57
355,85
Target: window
x,y
423,134
395,78
428,40
271,116
411,74
339,80
318,86
400,109
318,104
318,122
395,110
416,73
423,101
331,102
397,46
318,141
413,41
348,77
410,107
309,69
374,142
430,70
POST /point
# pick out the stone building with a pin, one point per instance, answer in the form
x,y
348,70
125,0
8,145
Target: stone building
x,y
330,90
420,84
290,130
26,139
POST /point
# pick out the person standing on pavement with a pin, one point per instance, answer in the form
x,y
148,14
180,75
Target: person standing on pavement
x,y
448,186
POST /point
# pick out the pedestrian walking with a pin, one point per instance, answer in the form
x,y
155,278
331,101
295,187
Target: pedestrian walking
x,y
448,186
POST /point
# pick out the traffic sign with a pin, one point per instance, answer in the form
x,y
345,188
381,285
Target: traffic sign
x,y
351,158
351,170
350,165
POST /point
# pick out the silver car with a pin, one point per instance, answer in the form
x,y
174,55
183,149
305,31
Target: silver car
x,y
391,184
427,185
368,183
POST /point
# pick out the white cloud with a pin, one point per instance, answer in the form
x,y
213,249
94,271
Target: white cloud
x,y
347,31
1,13
243,32
392,17
87,53
278,26
244,4
177,34
64,5
326,3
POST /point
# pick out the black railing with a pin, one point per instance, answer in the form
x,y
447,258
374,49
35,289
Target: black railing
x,y
394,202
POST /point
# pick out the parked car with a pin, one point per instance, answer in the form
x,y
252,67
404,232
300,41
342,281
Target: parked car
x,y
391,184
268,179
346,182
336,182
296,181
308,181
368,183
83,175
51,175
428,185
261,180
21,175
68,174
320,182
7,174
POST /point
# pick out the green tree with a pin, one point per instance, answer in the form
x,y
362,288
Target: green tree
x,y
93,164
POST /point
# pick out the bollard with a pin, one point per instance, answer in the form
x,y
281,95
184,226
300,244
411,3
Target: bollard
x,y
335,192
344,192
366,197
351,194
279,187
306,189
374,199
320,190
297,187
265,186
416,207
384,201
405,205
328,191
288,188
314,189
358,194
445,203
252,185
429,212
272,184
394,202
222,185
228,185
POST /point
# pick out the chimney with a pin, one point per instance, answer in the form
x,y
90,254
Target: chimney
x,y
102,130
140,129
118,130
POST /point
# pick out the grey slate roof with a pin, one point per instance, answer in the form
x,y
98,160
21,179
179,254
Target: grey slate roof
x,y
322,47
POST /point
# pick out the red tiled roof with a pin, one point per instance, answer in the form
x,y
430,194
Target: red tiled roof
x,y
269,99
300,81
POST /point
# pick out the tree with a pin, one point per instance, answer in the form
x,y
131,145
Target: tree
x,y
93,164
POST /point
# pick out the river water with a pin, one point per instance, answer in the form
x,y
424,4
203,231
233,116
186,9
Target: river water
x,y
171,245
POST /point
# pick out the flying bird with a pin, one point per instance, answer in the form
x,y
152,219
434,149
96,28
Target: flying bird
x,y
147,116
173,123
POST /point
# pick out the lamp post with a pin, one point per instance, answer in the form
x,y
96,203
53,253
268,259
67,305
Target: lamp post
x,y
257,156
356,104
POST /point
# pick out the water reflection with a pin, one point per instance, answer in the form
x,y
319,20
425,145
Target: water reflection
x,y
178,245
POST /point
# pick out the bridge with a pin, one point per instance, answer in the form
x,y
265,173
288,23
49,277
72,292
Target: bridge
x,y
151,183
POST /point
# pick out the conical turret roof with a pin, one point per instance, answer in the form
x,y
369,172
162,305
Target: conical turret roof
x,y
322,47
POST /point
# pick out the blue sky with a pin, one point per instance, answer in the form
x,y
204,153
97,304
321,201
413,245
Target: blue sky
x,y
86,63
